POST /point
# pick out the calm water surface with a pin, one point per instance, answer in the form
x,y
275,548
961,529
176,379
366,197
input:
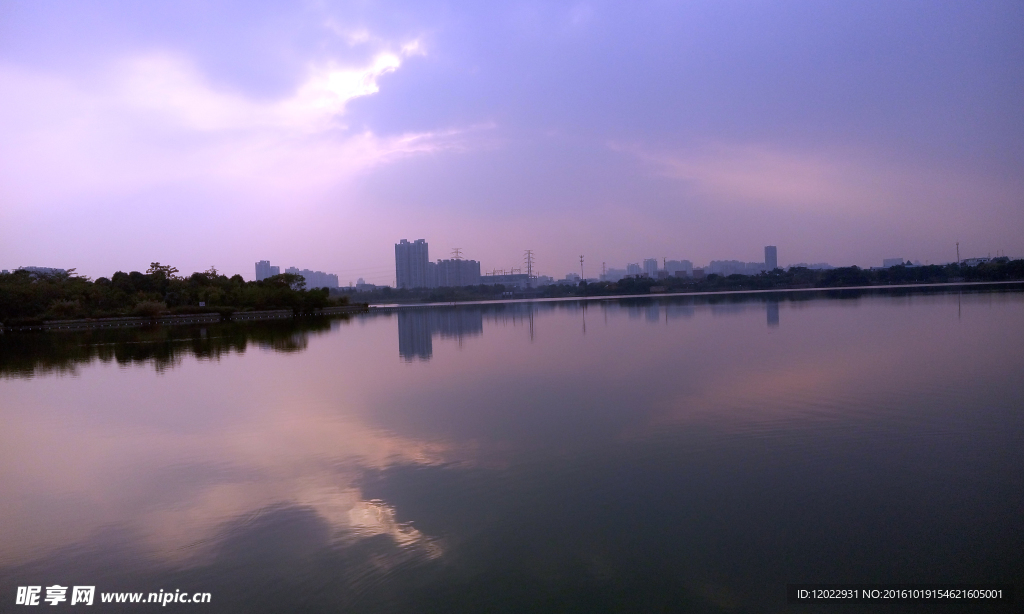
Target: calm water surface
x,y
638,455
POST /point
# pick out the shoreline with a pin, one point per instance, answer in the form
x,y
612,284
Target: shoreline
x,y
956,284
280,314
172,320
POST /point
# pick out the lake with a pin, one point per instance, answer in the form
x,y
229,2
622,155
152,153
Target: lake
x,y
690,454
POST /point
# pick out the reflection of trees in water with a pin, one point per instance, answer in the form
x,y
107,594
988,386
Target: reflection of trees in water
x,y
41,353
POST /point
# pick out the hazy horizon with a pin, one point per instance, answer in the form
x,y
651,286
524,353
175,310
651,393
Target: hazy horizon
x,y
319,134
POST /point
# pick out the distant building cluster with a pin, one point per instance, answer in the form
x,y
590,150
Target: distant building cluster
x,y
735,267
518,281
815,266
313,279
413,268
671,268
684,268
979,261
37,270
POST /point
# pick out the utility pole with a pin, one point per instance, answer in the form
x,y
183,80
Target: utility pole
x,y
529,270
582,277
958,253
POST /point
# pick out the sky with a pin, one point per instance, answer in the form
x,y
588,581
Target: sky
x,y
319,134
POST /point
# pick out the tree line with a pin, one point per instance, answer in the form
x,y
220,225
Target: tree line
x,y
779,279
802,277
28,297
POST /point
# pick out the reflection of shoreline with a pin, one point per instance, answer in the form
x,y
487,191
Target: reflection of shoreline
x,y
30,354
211,317
836,292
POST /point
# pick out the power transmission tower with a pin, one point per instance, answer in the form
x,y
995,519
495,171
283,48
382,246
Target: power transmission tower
x,y
582,277
457,253
529,268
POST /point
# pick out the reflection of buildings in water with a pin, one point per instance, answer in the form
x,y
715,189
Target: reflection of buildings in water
x,y
417,327
679,311
730,309
773,313
515,314
657,313
456,323
414,335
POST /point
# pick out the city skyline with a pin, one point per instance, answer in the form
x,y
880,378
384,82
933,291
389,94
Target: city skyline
x,y
848,133
608,272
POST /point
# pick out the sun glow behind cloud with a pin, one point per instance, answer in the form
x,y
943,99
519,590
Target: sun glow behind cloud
x,y
155,120
267,131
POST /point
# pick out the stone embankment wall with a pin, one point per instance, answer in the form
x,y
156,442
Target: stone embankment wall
x,y
197,318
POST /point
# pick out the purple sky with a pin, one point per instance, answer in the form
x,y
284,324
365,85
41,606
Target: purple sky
x,y
318,134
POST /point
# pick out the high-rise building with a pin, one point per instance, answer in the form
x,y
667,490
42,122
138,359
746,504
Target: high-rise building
x,y
315,279
454,273
411,261
675,267
264,270
650,267
771,257
613,274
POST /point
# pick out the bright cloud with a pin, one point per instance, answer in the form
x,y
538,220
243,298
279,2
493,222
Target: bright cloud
x,y
156,120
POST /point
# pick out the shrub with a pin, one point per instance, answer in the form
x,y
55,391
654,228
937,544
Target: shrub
x,y
149,308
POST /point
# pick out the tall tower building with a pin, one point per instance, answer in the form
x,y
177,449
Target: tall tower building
x,y
264,270
651,267
771,257
411,264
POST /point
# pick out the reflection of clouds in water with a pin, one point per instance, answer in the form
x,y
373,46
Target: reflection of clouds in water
x,y
278,558
369,518
353,518
179,457
295,454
